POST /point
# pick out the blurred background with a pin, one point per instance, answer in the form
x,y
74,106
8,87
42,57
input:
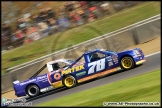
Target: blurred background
x,y
29,28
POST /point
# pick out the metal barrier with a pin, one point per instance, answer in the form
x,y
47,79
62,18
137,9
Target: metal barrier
x,y
118,40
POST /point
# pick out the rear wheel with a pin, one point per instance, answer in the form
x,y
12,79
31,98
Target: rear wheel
x,y
33,90
69,81
127,63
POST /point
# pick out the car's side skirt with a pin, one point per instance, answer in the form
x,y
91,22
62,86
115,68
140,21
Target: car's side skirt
x,y
99,74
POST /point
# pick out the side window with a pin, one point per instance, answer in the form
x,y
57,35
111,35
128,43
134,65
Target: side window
x,y
96,56
55,66
62,65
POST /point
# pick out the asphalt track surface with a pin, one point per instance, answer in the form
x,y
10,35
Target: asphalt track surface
x,y
152,62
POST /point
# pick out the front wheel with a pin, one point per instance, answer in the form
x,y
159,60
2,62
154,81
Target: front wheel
x,y
127,63
69,81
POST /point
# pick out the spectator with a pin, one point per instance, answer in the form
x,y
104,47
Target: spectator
x,y
93,10
22,25
80,12
77,19
89,3
105,8
36,19
6,29
53,24
118,6
6,36
69,6
91,17
43,15
43,28
62,9
71,15
76,4
83,4
20,36
86,15
32,34
62,12
50,13
63,23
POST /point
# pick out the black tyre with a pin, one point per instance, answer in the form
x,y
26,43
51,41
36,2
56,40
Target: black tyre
x,y
127,63
33,90
69,81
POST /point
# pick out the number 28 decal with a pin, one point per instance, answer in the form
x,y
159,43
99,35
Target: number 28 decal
x,y
100,65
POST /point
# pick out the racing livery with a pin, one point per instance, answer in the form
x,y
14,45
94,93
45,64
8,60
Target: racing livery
x,y
68,73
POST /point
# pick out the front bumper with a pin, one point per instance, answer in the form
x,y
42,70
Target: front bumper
x,y
141,61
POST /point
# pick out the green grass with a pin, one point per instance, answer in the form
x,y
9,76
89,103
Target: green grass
x,y
77,35
142,88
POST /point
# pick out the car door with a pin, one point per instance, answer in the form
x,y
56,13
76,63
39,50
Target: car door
x,y
98,65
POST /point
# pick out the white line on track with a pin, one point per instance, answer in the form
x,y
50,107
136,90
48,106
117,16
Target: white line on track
x,y
153,54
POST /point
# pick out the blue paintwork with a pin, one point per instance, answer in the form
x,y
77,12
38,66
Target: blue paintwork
x,y
43,80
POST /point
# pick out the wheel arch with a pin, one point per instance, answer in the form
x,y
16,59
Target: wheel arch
x,y
69,74
126,55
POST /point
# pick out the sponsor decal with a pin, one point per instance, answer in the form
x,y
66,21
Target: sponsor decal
x,y
88,78
118,68
39,78
99,74
57,84
46,89
109,58
115,58
137,52
57,76
116,62
29,81
135,56
110,63
42,78
96,66
73,69
81,73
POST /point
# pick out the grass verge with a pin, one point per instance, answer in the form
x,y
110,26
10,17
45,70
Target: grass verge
x,y
80,34
142,88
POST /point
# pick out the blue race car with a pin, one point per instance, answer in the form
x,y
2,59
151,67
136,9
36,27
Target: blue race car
x,y
68,73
